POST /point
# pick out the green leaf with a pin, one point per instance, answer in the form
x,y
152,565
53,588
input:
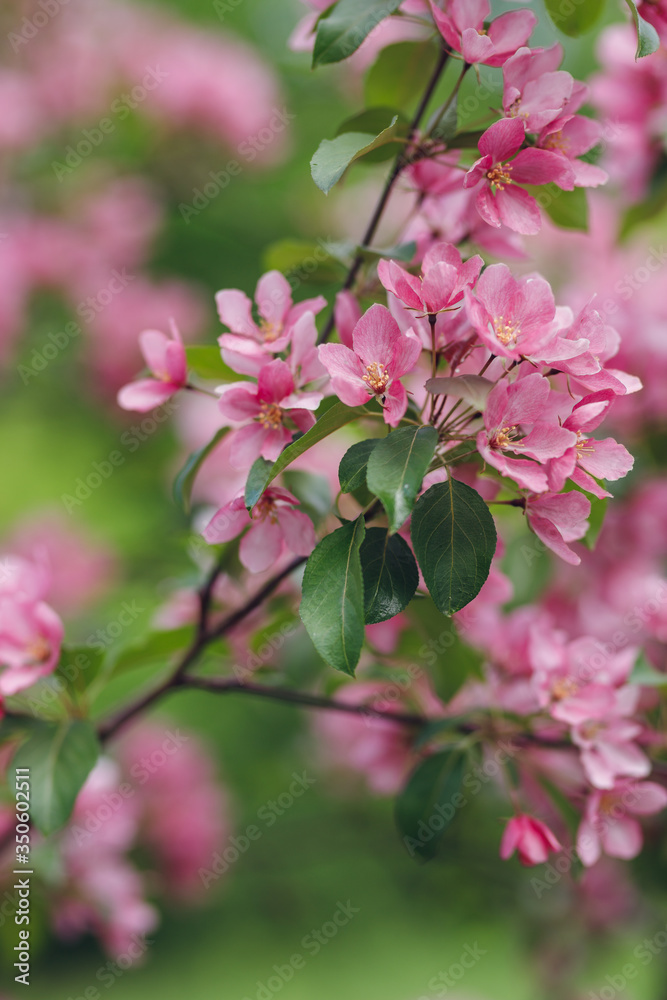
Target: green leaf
x,y
568,209
595,521
258,477
449,659
208,364
397,467
333,597
430,730
312,490
345,25
454,539
60,756
186,477
373,121
390,575
399,74
402,251
307,259
644,673
79,666
332,419
334,156
575,18
429,802
648,40
443,124
354,465
155,647
472,389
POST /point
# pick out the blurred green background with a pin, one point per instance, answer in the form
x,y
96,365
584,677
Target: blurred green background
x,y
413,922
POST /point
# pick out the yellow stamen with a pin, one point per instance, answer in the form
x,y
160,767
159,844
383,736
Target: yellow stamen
x,y
270,330
564,688
376,378
506,333
39,650
271,416
499,175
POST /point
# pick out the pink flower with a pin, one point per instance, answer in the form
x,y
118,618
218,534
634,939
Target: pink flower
x,y
31,632
530,837
500,200
588,458
507,408
442,284
512,316
607,824
274,526
166,359
381,354
461,24
534,90
347,313
558,518
245,348
263,408
607,748
571,137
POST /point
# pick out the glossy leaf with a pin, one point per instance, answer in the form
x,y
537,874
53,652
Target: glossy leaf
x,y
79,666
648,40
454,539
430,801
333,597
390,575
353,467
399,74
208,364
397,467
345,25
334,156
373,121
258,476
60,756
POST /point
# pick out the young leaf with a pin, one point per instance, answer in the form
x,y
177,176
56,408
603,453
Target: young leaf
x,y
568,209
309,260
644,673
454,539
648,40
390,575
429,802
79,666
354,466
186,477
575,18
333,597
399,74
397,467
373,121
345,25
333,156
258,476
60,756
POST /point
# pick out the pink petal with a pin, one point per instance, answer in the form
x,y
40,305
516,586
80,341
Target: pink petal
x,y
476,48
539,166
246,445
227,523
145,394
235,311
273,296
239,402
588,843
486,205
303,419
547,532
298,531
153,346
279,438
375,335
621,838
439,286
510,31
396,403
502,139
406,287
469,13
177,368
588,174
274,382
646,798
347,314
260,548
405,354
546,441
518,210
609,459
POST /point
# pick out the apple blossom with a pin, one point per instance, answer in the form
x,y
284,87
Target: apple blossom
x,y
166,359
462,25
532,838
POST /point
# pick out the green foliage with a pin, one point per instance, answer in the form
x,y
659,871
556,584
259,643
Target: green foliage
x,y
297,257
59,756
334,156
208,364
333,597
396,468
373,121
185,479
353,469
574,18
344,26
256,481
648,40
154,647
454,539
399,74
78,667
429,802
390,575
568,209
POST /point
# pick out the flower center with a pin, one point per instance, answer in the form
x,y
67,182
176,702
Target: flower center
x,y
506,332
565,687
39,650
265,507
499,175
584,446
515,112
376,378
590,730
270,416
556,141
503,438
270,330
